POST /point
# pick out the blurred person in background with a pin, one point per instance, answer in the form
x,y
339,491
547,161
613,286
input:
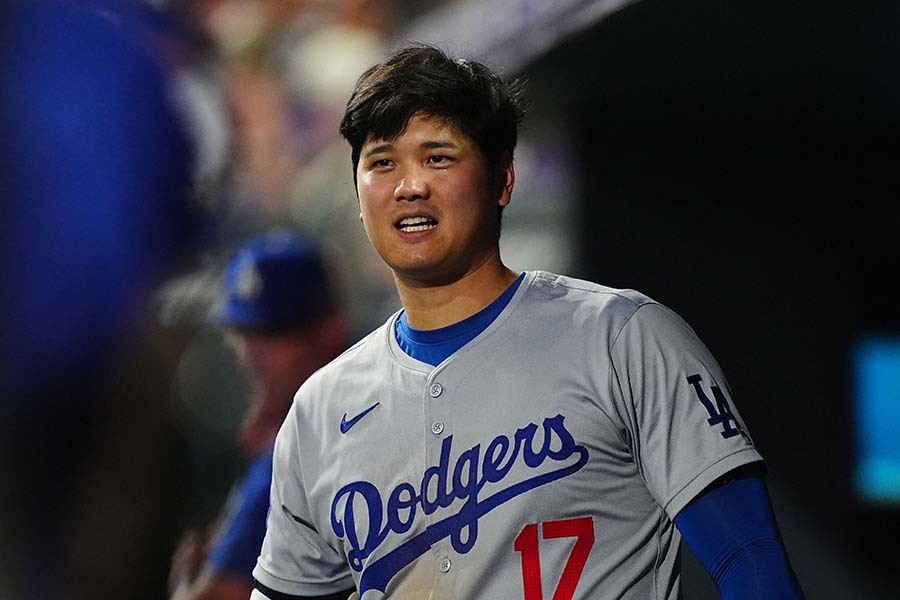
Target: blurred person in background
x,y
321,61
286,69
283,322
97,179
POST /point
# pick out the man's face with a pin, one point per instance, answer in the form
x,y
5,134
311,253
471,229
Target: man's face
x,y
275,365
275,362
429,203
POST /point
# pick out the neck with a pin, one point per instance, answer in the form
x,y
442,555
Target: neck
x,y
439,305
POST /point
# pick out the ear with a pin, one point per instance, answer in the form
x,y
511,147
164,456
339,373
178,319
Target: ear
x,y
507,179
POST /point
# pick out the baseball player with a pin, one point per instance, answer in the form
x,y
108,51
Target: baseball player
x,y
284,323
506,436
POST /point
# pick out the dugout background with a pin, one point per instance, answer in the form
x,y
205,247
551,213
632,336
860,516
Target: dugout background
x,y
738,161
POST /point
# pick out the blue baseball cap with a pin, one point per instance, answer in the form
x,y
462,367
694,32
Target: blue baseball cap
x,y
276,280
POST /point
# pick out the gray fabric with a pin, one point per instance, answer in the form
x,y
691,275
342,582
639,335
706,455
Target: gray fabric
x,y
574,405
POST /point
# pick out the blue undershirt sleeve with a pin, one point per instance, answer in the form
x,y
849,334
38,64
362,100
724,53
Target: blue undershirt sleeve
x,y
732,532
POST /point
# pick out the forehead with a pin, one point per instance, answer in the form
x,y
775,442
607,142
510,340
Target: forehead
x,y
422,129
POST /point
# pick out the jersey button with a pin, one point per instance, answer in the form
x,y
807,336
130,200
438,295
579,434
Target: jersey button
x,y
445,565
437,428
435,390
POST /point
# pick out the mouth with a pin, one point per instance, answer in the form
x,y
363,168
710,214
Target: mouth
x,y
415,224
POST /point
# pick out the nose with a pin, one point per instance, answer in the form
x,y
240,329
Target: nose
x,y
412,186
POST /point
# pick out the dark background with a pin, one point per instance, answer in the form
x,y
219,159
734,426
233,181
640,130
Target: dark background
x,y
738,163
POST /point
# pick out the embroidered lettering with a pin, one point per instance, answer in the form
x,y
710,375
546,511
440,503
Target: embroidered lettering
x,y
719,413
358,507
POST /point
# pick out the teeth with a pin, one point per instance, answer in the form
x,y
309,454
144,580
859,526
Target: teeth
x,y
414,221
412,224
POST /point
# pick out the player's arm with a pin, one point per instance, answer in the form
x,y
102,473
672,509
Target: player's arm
x,y
261,592
730,527
695,454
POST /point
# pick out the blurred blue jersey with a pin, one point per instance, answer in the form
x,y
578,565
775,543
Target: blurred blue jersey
x,y
241,533
96,178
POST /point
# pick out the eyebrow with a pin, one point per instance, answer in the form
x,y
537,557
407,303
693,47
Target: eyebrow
x,y
430,145
378,149
439,144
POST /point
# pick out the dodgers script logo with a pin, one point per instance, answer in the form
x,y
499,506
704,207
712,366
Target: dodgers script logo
x,y
440,486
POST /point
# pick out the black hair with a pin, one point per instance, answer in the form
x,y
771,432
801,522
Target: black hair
x,y
423,79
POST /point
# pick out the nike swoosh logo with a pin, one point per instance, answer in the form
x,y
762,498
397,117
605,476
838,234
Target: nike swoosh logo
x,y
346,425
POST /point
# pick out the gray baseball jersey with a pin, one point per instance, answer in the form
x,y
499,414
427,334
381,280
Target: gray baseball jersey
x,y
544,459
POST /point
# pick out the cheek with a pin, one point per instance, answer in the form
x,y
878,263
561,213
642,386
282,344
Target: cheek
x,y
368,195
365,215
374,213
370,223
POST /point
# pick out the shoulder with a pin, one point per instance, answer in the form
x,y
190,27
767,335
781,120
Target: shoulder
x,y
589,302
622,317
550,286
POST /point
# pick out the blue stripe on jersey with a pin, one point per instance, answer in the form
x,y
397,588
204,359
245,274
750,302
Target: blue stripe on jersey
x,y
433,346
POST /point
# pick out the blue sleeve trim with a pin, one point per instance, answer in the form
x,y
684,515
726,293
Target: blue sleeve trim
x,y
732,531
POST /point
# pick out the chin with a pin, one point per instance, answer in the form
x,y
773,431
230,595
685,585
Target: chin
x,y
416,266
434,274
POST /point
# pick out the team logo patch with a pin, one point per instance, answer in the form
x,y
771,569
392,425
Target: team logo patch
x,y
720,412
249,283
